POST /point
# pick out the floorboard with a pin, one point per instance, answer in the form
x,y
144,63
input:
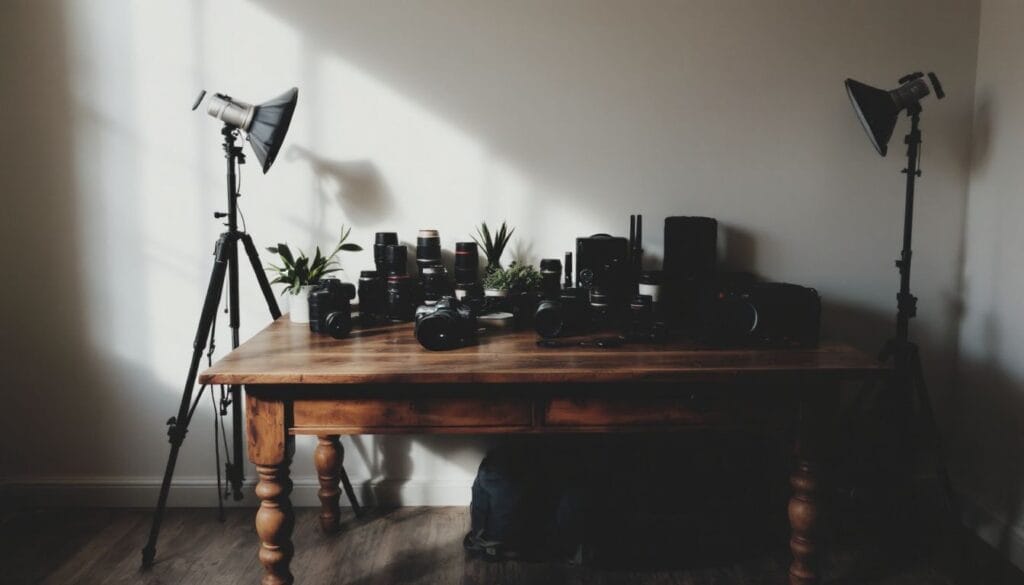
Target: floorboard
x,y
416,546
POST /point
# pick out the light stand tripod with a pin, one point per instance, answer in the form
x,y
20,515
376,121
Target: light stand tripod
x,y
908,375
225,264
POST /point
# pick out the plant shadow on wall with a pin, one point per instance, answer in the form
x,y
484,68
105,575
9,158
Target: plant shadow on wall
x,y
356,186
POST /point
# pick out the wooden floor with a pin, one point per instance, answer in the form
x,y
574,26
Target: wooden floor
x,y
407,545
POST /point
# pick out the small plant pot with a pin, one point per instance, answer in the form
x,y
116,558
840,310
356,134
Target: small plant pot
x,y
496,293
298,305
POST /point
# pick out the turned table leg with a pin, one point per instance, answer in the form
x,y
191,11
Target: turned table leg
x,y
328,458
274,523
271,449
812,447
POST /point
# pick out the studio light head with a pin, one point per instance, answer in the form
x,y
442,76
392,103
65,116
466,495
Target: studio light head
x,y
265,124
879,109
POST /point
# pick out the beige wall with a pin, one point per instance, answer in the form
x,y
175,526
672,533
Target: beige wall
x,y
989,433
562,117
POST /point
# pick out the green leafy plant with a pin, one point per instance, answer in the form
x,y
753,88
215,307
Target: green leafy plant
x,y
517,277
494,246
299,271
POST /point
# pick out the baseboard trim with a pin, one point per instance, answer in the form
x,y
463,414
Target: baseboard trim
x,y
202,492
1004,537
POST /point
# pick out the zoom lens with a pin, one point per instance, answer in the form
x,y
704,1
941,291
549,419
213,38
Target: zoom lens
x,y
371,296
428,248
550,277
435,283
381,241
467,263
401,298
394,260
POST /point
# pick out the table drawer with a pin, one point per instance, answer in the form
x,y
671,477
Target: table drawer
x,y
367,415
694,411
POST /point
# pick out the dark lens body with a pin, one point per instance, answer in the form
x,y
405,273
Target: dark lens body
x,y
371,296
428,248
381,241
394,260
338,324
550,277
401,298
467,263
435,283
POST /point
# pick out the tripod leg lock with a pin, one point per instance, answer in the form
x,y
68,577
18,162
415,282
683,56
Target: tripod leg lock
x,y
907,303
175,432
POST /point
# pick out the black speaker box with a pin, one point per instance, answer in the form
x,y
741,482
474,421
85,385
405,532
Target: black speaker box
x,y
691,247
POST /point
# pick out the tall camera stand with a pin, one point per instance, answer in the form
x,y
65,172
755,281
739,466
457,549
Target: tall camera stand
x,y
908,373
225,264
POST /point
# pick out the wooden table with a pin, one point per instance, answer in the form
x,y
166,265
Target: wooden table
x,y
381,381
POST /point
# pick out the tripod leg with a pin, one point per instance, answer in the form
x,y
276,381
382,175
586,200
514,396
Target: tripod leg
x,y
933,430
261,276
179,424
235,473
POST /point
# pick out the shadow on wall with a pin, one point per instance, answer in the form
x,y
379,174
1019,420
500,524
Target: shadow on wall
x,y
355,186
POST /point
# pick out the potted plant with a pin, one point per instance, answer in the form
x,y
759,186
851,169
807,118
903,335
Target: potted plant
x,y
513,290
494,246
300,273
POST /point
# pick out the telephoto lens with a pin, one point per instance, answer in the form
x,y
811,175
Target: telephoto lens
x,y
401,298
435,283
467,264
381,241
428,249
371,297
394,260
550,278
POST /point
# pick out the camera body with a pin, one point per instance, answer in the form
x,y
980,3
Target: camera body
x,y
330,307
766,314
448,324
569,314
602,261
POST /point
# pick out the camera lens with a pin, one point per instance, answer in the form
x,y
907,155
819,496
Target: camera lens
x,y
435,283
650,285
338,324
401,298
467,263
428,248
549,320
394,260
371,296
382,240
435,332
550,277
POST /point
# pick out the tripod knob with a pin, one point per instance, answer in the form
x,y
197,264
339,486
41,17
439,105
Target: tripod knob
x,y
219,214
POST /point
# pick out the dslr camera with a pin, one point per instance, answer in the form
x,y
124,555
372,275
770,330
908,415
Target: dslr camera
x,y
330,308
567,315
447,324
767,314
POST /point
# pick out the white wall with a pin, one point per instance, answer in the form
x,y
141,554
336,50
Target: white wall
x,y
561,117
990,431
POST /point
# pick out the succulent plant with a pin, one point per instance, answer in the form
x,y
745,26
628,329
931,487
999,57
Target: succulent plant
x,y
494,246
